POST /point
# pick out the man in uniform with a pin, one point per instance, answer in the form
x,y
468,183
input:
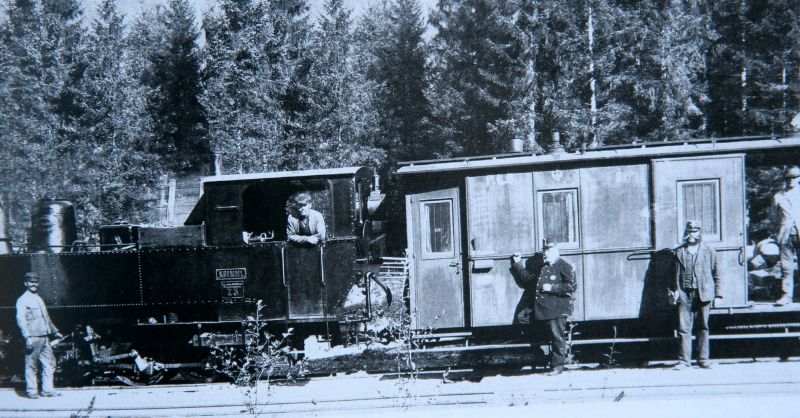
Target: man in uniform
x,y
305,225
786,205
699,281
36,327
549,283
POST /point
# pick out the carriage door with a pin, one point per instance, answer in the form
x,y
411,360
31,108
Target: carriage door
x,y
711,190
436,288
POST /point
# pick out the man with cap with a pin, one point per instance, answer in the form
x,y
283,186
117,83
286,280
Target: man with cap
x,y
305,225
36,327
549,283
698,280
786,207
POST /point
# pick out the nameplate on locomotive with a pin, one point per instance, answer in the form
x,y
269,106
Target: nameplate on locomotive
x,y
232,274
232,289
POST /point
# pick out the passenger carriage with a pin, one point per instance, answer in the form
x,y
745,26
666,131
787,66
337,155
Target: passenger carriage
x,y
611,209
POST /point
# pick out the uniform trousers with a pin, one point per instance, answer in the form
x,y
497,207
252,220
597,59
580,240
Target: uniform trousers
x,y
552,330
692,312
41,353
788,252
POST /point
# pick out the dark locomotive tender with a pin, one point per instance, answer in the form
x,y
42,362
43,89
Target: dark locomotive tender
x,y
155,289
167,293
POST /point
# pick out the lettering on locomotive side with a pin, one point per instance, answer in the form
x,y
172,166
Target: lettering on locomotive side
x,y
232,274
232,289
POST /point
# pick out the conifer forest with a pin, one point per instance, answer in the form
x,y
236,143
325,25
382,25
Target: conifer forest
x,y
97,107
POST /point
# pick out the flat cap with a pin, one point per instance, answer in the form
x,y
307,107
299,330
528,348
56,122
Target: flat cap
x,y
301,199
693,226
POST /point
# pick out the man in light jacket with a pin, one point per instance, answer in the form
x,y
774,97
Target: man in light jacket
x,y
786,206
36,327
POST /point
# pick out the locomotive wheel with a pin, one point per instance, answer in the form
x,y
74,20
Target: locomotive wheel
x,y
198,375
162,376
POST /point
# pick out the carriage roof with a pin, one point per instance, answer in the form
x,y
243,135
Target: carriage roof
x,y
646,150
329,172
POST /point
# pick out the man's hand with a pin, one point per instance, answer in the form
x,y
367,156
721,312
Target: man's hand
x,y
313,239
28,343
59,335
516,258
547,287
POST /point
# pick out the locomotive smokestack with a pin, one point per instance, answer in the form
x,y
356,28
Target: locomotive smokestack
x,y
218,162
5,241
555,146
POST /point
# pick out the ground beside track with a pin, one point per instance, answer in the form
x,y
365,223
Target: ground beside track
x,y
734,388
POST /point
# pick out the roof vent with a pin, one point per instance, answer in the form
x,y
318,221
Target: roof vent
x,y
516,145
555,147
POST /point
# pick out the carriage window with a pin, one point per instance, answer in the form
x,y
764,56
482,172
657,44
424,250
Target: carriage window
x,y
558,217
438,231
699,200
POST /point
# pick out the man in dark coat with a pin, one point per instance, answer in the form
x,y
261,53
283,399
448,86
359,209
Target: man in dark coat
x,y
549,283
698,280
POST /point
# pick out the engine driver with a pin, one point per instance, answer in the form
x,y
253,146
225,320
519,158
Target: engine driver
x,y
305,225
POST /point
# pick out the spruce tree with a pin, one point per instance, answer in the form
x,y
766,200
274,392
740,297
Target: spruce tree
x,y
241,89
667,83
475,66
391,33
167,38
342,120
754,67
42,43
119,173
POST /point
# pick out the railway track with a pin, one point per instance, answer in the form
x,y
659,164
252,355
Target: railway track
x,y
731,381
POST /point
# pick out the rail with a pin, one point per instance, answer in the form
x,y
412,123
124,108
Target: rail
x,y
503,256
645,254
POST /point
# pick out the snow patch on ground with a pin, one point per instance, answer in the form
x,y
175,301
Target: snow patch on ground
x,y
315,350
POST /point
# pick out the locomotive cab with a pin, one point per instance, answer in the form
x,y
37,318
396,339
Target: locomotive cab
x,y
252,208
248,256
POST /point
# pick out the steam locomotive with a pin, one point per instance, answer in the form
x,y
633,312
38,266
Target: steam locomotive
x,y
158,298
146,292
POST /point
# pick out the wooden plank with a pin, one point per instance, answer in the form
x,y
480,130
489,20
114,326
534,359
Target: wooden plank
x,y
494,295
500,213
614,286
615,207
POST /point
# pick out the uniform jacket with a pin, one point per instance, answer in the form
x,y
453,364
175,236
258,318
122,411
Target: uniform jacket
x,y
786,208
32,316
709,276
533,274
314,224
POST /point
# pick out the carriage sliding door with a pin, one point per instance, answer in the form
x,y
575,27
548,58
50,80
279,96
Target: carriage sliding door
x,y
500,221
711,190
437,287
